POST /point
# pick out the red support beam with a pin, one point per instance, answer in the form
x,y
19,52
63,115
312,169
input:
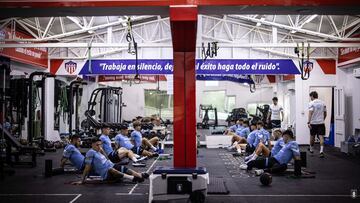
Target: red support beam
x,y
183,21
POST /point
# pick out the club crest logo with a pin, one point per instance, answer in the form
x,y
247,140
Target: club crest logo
x,y
70,67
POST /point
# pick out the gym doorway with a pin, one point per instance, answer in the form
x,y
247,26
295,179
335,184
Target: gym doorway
x,y
326,94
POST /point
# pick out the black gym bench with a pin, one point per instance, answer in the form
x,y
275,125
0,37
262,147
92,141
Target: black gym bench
x,y
20,150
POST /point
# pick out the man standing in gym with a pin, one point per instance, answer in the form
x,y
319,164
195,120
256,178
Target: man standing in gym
x,y
316,121
274,114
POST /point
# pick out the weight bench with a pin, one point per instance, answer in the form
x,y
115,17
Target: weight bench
x,y
20,150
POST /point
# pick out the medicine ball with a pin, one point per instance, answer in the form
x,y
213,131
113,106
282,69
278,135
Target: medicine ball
x,y
266,179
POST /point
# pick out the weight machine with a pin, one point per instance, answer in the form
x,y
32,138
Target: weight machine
x,y
237,114
205,123
33,85
261,115
75,90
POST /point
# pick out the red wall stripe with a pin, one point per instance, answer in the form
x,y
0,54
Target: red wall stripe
x,y
328,66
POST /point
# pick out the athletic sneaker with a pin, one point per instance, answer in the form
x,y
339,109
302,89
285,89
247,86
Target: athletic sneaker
x,y
243,166
259,172
138,180
311,151
145,175
142,158
137,156
322,155
137,164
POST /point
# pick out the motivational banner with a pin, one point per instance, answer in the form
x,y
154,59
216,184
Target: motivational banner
x,y
214,67
233,78
34,56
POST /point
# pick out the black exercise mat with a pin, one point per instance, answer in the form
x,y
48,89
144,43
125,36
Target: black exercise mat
x,y
217,186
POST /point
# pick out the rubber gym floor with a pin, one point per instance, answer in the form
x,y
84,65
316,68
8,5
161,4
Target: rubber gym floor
x,y
336,175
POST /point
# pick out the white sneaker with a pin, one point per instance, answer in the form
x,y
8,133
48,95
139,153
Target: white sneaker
x,y
248,157
243,166
259,172
142,158
137,156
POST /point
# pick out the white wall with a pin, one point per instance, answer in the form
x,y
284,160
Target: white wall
x,y
317,78
345,79
285,91
134,98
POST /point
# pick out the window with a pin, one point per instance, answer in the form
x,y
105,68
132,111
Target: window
x,y
230,103
158,102
224,104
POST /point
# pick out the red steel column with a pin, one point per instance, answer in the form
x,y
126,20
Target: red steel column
x,y
183,28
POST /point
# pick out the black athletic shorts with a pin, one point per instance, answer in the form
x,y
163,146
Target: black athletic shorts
x,y
262,163
137,150
275,123
317,129
250,148
114,157
121,168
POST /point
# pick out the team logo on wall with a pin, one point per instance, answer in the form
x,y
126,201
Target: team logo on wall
x,y
70,67
308,66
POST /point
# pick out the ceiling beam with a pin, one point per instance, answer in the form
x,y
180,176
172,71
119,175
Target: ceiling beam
x,y
48,27
333,25
318,34
159,45
27,29
84,30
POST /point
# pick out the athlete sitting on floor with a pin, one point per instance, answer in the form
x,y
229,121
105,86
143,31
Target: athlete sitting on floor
x,y
254,138
240,135
96,162
277,163
123,141
72,153
262,136
119,153
261,149
139,141
233,128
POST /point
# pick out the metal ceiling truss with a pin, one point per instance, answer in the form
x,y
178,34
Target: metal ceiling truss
x,y
74,37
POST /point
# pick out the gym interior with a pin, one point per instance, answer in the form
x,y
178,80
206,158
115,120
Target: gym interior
x,y
179,101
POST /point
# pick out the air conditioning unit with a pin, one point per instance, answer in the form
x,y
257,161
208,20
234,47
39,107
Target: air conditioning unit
x,y
357,73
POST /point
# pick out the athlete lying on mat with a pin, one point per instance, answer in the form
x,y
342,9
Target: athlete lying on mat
x,y
119,153
96,162
277,163
139,141
123,141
